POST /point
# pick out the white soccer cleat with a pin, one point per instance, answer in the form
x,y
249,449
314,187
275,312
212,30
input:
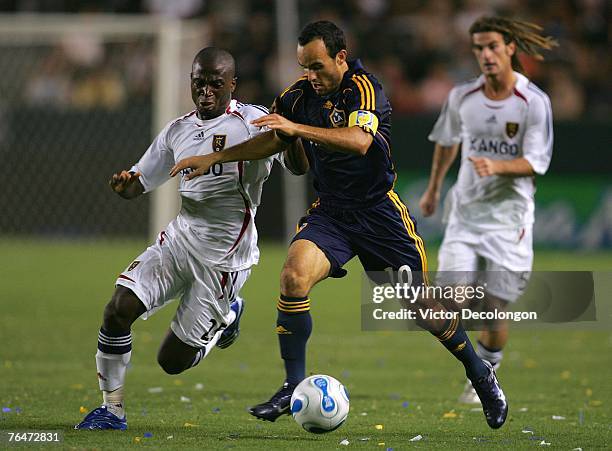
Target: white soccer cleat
x,y
469,395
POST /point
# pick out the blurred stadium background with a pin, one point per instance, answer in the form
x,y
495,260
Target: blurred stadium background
x,y
84,87
86,84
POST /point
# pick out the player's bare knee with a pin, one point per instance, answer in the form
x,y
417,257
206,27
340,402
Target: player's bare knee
x,y
170,366
122,310
294,283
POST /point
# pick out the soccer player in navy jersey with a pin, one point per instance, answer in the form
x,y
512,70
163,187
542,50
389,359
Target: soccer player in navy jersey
x,y
342,117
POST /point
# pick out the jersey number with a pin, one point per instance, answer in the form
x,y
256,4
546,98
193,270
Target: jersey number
x,y
214,328
217,169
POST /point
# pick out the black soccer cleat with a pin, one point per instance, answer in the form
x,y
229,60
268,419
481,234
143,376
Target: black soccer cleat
x,y
276,406
492,397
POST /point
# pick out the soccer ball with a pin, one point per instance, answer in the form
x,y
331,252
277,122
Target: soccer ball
x,y
320,404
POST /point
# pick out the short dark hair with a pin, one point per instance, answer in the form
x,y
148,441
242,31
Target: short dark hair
x,y
328,32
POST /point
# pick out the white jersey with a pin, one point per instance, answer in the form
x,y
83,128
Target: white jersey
x,y
518,126
217,218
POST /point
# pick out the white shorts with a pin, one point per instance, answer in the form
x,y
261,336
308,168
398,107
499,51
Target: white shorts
x,y
165,271
507,255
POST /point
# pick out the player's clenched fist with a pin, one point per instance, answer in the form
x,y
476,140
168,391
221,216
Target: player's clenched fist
x,y
484,166
429,202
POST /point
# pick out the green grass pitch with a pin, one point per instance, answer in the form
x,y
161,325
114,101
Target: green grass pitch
x,y
401,384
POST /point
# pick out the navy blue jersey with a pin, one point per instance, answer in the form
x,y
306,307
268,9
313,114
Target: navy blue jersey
x,y
343,180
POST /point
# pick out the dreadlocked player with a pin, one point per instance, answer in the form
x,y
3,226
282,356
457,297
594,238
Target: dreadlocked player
x,y
503,124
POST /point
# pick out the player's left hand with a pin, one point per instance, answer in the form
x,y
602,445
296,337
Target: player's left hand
x,y
484,166
276,122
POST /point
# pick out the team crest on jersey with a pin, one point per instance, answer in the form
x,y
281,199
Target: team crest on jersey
x,y
337,118
328,105
511,129
133,265
218,142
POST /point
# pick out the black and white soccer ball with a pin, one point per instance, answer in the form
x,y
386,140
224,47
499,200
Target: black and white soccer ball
x,y
320,404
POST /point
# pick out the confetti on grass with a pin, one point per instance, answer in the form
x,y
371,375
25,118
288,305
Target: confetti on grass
x,y
416,438
147,435
83,409
379,427
6,409
344,442
155,390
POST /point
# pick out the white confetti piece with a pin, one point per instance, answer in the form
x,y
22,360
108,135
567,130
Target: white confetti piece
x,y
199,386
523,409
155,390
544,443
558,417
363,414
416,438
170,437
527,431
344,442
185,399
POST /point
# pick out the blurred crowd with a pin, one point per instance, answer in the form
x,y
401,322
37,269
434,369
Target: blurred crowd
x,y
418,49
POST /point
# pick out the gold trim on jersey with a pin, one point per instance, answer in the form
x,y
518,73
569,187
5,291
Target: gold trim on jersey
x,y
369,89
409,225
361,90
303,77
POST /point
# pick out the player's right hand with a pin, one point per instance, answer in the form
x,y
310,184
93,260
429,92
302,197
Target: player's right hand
x,y
429,202
199,165
120,181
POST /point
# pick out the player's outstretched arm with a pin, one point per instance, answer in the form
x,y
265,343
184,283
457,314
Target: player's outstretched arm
x,y
443,158
256,148
346,139
126,184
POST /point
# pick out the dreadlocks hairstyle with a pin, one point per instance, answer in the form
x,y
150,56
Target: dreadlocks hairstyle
x,y
525,35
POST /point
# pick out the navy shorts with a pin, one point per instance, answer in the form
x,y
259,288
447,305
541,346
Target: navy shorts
x,y
382,236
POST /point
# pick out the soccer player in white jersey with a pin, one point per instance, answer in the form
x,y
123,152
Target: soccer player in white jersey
x,y
204,256
503,124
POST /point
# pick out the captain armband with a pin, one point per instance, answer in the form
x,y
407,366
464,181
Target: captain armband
x,y
365,120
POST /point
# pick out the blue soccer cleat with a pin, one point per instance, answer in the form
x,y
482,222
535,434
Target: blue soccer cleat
x,y
231,332
101,418
492,397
